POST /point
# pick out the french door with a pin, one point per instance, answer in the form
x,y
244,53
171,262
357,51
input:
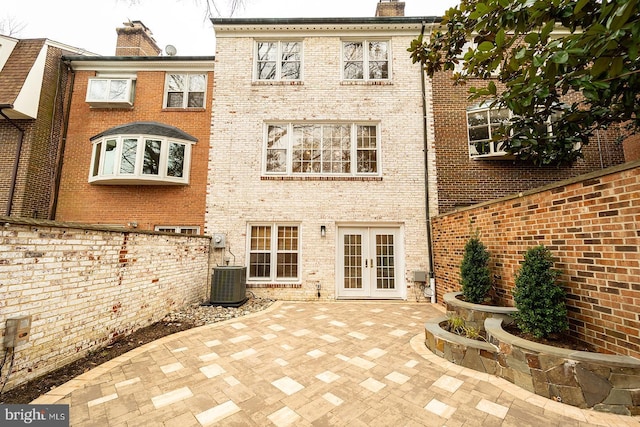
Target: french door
x,y
369,263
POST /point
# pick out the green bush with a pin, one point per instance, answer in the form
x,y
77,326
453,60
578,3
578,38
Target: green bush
x,y
539,299
475,277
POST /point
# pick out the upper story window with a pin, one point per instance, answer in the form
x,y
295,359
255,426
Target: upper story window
x,y
278,60
185,90
482,124
348,149
365,60
111,92
160,157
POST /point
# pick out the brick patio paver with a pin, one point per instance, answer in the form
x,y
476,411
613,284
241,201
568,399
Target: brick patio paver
x,y
307,364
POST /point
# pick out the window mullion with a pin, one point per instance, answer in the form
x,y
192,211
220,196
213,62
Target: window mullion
x,y
274,252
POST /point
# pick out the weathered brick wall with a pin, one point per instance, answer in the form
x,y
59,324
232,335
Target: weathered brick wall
x,y
592,226
147,205
239,195
464,181
86,286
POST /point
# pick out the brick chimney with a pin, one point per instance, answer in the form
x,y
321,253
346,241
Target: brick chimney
x,y
390,8
135,39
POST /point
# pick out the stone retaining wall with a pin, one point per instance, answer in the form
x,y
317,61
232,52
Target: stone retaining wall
x,y
603,382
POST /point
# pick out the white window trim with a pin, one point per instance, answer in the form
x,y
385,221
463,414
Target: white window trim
x,y
274,253
493,154
138,178
354,150
473,153
110,103
365,74
278,77
185,98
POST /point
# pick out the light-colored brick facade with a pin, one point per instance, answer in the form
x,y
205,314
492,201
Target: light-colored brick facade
x,y
83,287
240,194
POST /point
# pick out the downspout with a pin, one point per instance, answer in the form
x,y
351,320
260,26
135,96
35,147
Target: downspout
x,y
432,279
63,142
16,163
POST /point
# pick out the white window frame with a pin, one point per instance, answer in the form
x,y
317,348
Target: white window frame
x,y
289,142
107,101
279,60
494,150
178,229
366,60
99,161
185,91
273,251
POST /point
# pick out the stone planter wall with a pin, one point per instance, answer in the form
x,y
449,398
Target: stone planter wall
x,y
474,315
603,382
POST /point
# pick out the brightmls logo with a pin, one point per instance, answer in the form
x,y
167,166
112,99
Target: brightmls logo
x,y
34,415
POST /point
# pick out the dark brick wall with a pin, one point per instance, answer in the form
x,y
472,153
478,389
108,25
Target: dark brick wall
x,y
463,181
40,146
591,225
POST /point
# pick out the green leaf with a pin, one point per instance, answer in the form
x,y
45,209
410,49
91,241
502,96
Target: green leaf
x,y
617,65
500,38
532,38
580,5
485,46
546,30
600,66
493,90
560,57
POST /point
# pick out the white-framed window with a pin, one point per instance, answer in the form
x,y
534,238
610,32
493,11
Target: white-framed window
x,y
274,252
111,92
348,149
278,60
179,229
366,60
482,124
140,159
185,90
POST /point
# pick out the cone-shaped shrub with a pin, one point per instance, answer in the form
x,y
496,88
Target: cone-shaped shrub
x,y
475,277
539,299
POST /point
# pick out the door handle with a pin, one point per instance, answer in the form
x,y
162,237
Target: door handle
x,y
365,263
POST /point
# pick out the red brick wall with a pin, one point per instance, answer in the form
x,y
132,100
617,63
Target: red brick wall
x,y
592,226
632,148
463,181
148,205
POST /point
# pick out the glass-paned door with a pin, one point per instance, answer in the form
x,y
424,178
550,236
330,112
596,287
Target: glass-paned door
x,y
369,263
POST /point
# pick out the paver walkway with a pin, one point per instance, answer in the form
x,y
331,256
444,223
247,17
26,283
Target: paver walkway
x,y
301,364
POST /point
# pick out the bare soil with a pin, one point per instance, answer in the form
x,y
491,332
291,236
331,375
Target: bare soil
x,y
29,391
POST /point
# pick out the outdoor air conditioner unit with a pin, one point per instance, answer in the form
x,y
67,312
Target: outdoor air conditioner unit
x,y
228,286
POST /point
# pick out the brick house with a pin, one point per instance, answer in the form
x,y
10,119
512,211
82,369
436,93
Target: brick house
x,y
471,169
317,166
33,89
138,138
